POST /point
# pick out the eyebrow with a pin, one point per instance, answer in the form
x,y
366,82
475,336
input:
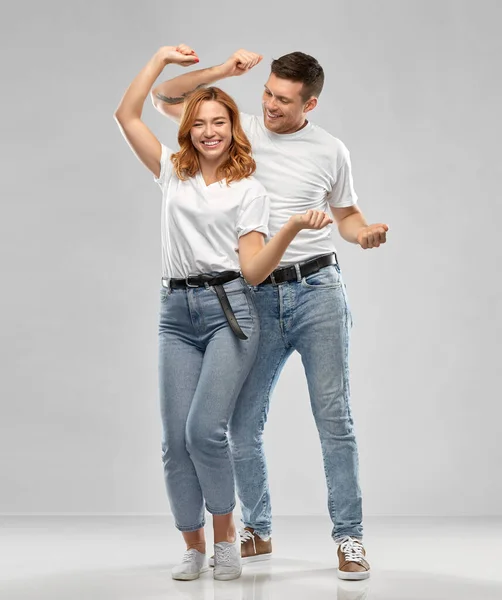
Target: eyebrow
x,y
215,119
279,97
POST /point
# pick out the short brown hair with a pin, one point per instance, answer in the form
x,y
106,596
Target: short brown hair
x,y
301,67
240,163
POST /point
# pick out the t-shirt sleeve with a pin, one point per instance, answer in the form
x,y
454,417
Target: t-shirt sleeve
x,y
253,215
247,123
166,167
342,193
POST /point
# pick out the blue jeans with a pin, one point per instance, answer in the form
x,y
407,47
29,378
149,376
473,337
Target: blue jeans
x,y
311,316
202,367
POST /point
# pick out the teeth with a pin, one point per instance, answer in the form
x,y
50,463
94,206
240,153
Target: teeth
x,y
211,143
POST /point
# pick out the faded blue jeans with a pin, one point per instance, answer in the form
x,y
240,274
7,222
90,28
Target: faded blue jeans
x,y
202,367
311,316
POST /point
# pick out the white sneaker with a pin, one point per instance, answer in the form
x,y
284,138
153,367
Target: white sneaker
x,y
193,564
227,560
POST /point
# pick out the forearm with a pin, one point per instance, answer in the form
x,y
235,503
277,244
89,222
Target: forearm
x,y
131,105
174,91
350,226
259,266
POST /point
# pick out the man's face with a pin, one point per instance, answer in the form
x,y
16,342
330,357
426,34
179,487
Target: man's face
x,y
283,106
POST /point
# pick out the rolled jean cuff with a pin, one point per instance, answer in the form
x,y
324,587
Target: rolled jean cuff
x,y
221,512
339,537
263,533
190,528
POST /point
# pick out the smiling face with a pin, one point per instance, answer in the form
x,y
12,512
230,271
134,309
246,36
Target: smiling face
x,y
284,108
211,132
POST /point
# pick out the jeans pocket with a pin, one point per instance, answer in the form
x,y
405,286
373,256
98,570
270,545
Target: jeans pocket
x,y
327,277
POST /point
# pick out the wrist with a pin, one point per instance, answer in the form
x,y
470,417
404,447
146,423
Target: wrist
x,y
163,55
294,224
220,71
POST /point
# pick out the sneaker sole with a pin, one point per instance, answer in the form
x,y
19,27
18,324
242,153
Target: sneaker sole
x,y
350,576
189,576
227,576
247,559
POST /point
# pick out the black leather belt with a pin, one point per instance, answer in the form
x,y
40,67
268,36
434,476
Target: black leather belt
x,y
217,282
306,268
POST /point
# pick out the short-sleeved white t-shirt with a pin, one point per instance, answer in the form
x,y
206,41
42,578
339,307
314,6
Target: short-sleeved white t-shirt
x,y
308,169
201,224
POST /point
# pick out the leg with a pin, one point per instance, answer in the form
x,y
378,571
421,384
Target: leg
x,y
250,415
179,366
321,336
226,364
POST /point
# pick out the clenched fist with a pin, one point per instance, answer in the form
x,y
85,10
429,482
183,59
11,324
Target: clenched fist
x,y
372,236
181,55
241,62
312,219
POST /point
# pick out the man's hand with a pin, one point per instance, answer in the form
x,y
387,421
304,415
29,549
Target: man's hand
x,y
181,55
312,219
372,236
240,62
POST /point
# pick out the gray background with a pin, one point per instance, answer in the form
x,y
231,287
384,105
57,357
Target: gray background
x,y
413,89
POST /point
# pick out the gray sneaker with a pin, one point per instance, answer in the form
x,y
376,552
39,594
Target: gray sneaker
x,y
192,565
227,560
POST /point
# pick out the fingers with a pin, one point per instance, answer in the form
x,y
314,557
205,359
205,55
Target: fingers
x,y
184,49
315,219
373,236
247,60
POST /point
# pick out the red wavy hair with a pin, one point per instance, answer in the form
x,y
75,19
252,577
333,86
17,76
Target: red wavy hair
x,y
240,163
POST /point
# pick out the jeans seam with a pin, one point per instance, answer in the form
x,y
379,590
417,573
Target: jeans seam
x,y
280,364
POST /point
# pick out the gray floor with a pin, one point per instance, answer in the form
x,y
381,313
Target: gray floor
x,y
130,558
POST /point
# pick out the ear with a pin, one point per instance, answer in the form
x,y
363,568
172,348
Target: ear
x,y
310,105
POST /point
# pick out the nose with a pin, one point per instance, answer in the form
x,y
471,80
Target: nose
x,y
272,105
208,131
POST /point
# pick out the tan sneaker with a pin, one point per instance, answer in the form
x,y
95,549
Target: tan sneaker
x,y
253,548
352,563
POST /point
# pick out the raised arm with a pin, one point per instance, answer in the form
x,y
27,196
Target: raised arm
x,y
168,97
258,259
128,114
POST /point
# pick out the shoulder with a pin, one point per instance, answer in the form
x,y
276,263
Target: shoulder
x,y
330,142
249,122
250,187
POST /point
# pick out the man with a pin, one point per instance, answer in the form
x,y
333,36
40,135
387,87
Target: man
x,y
303,304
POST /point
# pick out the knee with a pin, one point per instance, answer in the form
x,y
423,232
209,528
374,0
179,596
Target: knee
x,y
202,439
244,442
173,452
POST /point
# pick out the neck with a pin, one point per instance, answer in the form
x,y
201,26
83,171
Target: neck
x,y
209,168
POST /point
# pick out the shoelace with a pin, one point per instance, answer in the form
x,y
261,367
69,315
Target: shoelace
x,y
189,555
247,535
223,555
352,549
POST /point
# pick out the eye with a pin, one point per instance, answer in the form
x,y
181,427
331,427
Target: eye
x,y
220,123
268,93
198,125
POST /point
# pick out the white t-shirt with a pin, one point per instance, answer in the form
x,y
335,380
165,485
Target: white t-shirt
x,y
201,224
308,169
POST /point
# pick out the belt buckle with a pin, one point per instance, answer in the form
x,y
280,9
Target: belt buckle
x,y
188,284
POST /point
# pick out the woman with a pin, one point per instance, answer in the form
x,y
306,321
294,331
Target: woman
x,y
214,224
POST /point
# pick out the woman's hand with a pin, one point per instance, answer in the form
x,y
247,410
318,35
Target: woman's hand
x,y
181,55
312,219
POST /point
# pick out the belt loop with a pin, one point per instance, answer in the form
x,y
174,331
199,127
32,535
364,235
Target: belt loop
x,y
298,272
336,259
272,279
